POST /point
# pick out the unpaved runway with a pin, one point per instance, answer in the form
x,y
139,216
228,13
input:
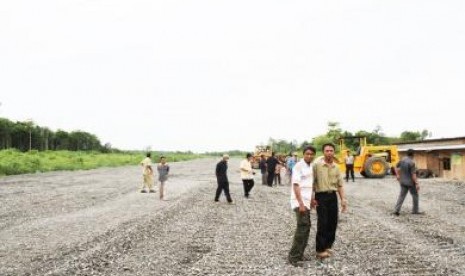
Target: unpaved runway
x,y
95,223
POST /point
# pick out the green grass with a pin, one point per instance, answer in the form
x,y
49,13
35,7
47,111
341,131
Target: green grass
x,y
13,162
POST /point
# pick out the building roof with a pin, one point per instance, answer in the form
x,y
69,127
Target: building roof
x,y
432,140
432,148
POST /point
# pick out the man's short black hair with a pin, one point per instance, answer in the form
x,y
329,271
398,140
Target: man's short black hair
x,y
248,155
311,148
328,145
410,152
148,154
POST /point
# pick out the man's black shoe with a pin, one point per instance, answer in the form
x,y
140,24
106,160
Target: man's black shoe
x,y
396,214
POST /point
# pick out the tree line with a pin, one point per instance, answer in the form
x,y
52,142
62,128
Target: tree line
x,y
26,136
334,132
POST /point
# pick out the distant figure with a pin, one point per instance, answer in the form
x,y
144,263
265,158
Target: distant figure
x,y
271,168
222,179
290,163
406,175
163,170
277,173
349,160
147,173
247,174
284,172
301,195
262,167
327,184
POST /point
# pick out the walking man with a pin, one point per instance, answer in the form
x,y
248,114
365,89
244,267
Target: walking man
x,y
277,172
163,170
147,173
271,168
222,179
349,160
262,167
406,175
247,174
301,196
327,184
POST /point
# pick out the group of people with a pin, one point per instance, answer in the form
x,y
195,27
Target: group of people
x,y
315,184
277,170
247,176
147,172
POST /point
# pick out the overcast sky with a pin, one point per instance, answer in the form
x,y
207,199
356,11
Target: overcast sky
x,y
217,75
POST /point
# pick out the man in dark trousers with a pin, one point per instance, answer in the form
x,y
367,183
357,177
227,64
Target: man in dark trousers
x,y
222,179
247,174
406,175
301,195
271,168
262,167
349,160
328,183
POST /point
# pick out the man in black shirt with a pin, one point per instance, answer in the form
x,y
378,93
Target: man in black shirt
x,y
222,179
271,167
262,167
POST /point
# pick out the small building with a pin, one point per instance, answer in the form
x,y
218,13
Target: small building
x,y
441,157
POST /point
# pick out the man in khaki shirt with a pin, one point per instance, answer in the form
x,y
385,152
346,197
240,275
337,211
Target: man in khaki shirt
x,y
147,173
328,183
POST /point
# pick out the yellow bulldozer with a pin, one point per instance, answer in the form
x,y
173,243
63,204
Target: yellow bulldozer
x,y
369,160
260,151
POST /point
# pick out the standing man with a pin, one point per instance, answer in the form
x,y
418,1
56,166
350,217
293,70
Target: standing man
x,y
262,166
147,173
406,175
327,184
222,179
349,160
271,168
301,196
277,172
291,161
163,170
247,174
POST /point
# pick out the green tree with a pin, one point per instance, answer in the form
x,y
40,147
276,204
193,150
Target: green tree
x,y
6,128
81,140
407,136
61,140
332,136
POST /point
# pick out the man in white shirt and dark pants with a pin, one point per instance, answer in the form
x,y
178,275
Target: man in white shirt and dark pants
x,y
247,174
301,196
349,160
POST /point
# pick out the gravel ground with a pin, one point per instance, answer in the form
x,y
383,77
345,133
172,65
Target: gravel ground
x,y
96,223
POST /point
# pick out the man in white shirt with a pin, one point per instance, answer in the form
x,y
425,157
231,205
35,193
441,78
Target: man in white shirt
x,y
247,174
301,196
349,160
